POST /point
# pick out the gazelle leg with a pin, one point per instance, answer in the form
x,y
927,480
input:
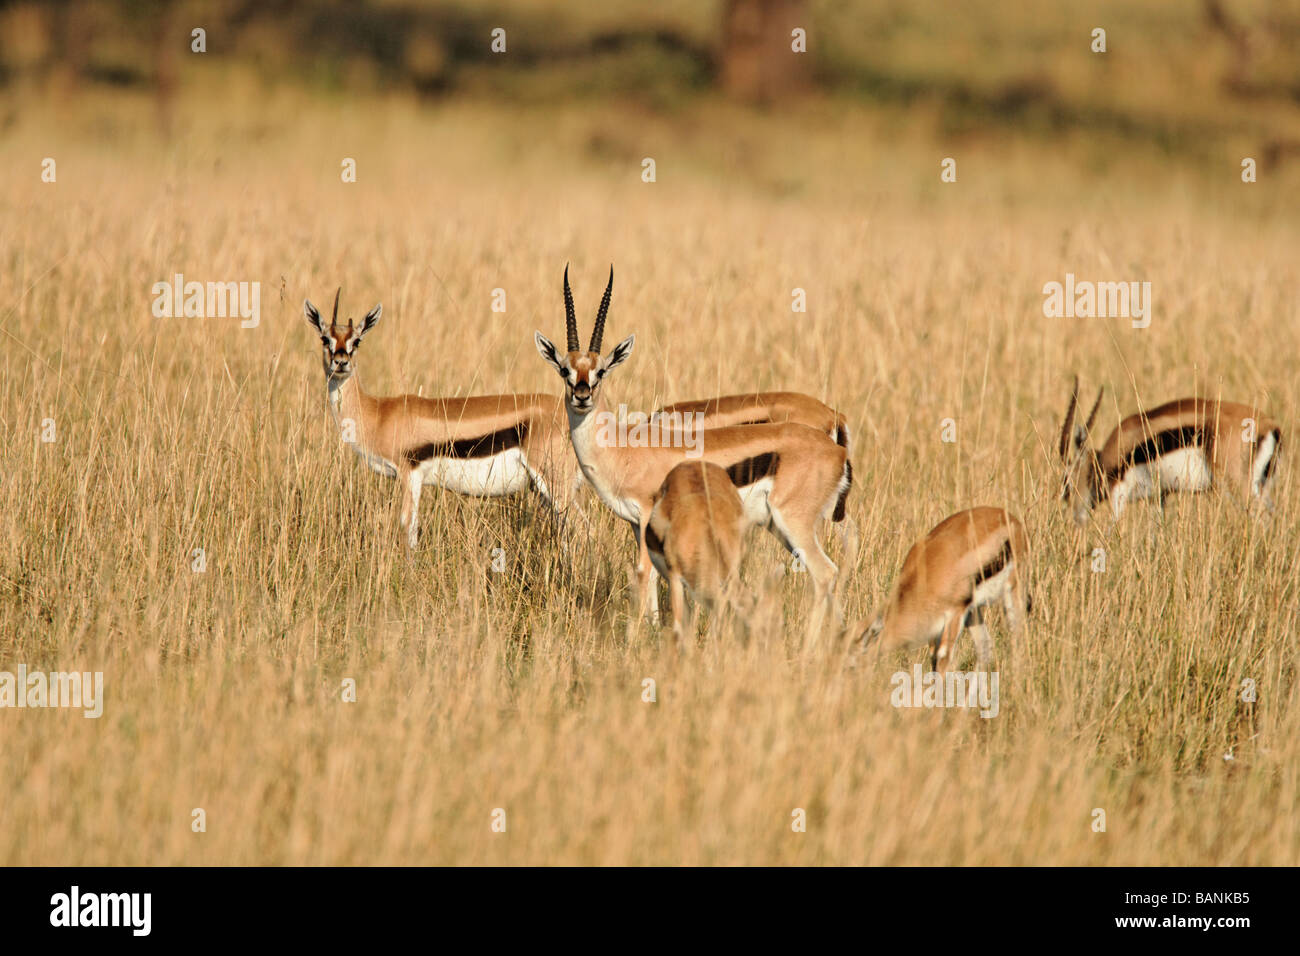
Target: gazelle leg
x,y
947,648
404,482
647,586
414,482
1263,470
677,598
1121,493
823,573
802,540
983,639
1262,507
1016,602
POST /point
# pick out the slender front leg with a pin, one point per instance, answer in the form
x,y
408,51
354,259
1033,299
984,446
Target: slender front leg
x,y
1119,499
1261,506
1016,602
647,587
411,509
983,639
947,647
677,599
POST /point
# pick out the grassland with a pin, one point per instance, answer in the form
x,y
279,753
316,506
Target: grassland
x,y
520,690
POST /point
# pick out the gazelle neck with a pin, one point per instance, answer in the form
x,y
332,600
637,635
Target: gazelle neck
x,y
345,398
597,459
583,431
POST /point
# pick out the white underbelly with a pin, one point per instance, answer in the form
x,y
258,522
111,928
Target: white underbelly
x,y
1185,470
503,474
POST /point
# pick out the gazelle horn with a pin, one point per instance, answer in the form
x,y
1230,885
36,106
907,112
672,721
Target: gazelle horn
x,y
1069,418
570,318
599,331
1092,415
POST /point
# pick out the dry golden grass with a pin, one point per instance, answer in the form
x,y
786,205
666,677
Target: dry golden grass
x,y
519,690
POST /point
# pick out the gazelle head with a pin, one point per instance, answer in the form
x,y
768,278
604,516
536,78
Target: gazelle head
x,y
1083,484
339,342
873,631
583,371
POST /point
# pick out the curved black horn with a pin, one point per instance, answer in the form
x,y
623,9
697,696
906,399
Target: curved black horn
x,y
599,331
570,317
1092,415
1069,417
335,317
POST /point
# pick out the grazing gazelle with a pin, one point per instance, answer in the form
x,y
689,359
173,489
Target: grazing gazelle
x,y
761,408
1192,444
694,534
485,445
969,560
789,476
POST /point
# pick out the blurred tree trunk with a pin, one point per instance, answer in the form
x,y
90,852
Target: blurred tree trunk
x,y
170,40
758,63
69,49
1238,37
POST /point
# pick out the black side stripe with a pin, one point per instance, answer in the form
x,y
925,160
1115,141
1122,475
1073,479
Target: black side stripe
x,y
1161,444
749,470
484,446
994,567
653,542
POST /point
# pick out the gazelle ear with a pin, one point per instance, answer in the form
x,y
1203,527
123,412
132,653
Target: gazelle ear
x,y
546,348
371,319
619,354
313,316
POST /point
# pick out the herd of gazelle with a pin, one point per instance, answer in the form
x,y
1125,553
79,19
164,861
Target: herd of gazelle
x,y
779,460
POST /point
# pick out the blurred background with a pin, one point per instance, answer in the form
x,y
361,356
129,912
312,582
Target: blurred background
x,y
1183,78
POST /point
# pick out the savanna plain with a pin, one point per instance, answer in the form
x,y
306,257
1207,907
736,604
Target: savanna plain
x,y
521,689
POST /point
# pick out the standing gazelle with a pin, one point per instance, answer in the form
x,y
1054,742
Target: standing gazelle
x,y
1191,444
485,445
694,534
789,476
968,561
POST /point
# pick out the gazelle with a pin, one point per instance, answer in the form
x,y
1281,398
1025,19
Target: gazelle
x,y
761,408
788,476
1191,444
968,561
485,445
696,525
